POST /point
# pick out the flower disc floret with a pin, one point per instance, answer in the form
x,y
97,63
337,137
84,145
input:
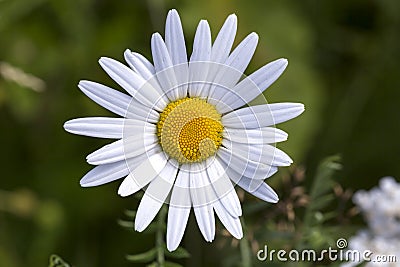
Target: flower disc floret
x,y
190,130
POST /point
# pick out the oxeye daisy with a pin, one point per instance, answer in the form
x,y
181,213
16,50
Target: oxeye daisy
x,y
186,133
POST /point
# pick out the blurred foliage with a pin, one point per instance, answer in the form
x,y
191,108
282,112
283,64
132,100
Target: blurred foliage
x,y
56,261
343,67
155,257
304,218
321,196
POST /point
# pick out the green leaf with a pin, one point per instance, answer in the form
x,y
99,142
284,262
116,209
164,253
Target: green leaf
x,y
143,257
130,213
154,227
329,215
56,261
171,264
322,202
179,253
323,178
321,196
323,183
127,224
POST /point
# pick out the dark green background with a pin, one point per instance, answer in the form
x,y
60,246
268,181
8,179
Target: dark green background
x,y
343,65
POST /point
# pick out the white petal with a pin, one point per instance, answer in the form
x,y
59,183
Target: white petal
x,y
164,67
206,221
220,50
255,187
142,174
133,83
266,154
231,72
122,75
258,188
104,174
96,127
252,86
123,149
199,61
145,69
201,194
231,223
155,196
202,43
223,188
139,64
266,135
175,42
241,56
174,39
262,115
138,111
161,57
266,75
264,192
106,97
179,209
245,166
223,43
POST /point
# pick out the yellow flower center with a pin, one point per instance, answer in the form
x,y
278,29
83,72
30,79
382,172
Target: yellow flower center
x,y
190,130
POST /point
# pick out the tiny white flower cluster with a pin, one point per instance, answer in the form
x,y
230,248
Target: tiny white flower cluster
x,y
381,209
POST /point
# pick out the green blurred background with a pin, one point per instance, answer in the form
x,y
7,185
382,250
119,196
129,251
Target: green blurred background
x,y
343,65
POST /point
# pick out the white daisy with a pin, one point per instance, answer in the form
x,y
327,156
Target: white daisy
x,y
186,132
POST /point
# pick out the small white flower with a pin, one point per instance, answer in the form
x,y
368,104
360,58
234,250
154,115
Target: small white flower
x,y
381,209
186,131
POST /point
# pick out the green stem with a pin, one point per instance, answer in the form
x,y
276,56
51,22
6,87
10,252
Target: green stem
x,y
160,237
245,251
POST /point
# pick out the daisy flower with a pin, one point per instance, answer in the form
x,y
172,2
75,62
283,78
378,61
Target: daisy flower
x,y
187,134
